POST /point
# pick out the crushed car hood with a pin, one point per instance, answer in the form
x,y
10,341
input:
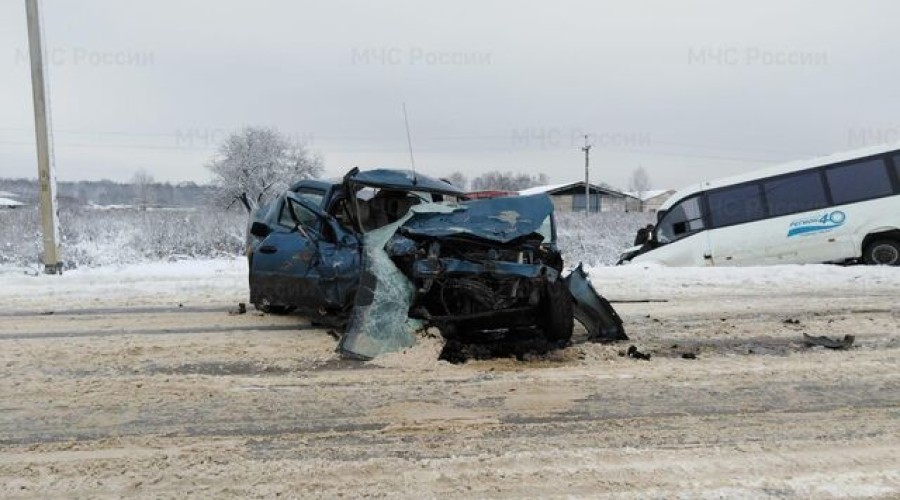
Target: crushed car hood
x,y
497,219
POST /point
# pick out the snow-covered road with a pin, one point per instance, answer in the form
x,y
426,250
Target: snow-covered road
x,y
135,381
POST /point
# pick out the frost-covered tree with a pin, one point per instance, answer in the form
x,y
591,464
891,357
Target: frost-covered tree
x,y
142,183
507,181
639,184
260,162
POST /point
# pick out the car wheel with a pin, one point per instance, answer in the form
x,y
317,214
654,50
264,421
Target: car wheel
x,y
882,253
556,312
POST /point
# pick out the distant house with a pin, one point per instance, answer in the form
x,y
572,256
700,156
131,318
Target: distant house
x,y
571,197
649,201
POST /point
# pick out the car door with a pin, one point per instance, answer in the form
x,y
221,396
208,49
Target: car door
x,y
309,261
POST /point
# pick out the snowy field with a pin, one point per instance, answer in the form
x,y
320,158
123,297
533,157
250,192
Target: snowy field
x,y
94,237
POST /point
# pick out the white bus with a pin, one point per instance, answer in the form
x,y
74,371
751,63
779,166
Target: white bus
x,y
837,208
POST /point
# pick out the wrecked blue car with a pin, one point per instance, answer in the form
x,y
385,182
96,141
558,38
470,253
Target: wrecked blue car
x,y
385,253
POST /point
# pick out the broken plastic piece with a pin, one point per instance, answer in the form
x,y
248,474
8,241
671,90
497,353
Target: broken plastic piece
x,y
592,310
634,353
829,343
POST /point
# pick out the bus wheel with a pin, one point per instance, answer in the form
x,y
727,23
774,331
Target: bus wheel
x,y
882,253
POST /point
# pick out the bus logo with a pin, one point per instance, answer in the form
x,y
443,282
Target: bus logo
x,y
811,225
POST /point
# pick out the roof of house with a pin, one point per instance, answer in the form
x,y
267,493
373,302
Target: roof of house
x,y
559,188
653,193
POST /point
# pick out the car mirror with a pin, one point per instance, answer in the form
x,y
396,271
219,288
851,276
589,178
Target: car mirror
x,y
260,229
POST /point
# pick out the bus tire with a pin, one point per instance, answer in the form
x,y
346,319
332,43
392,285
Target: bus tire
x,y
883,252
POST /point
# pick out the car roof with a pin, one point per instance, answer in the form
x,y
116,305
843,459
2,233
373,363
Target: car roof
x,y
321,184
406,180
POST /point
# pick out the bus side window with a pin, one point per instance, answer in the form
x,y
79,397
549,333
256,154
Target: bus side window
x,y
795,193
736,205
859,181
897,172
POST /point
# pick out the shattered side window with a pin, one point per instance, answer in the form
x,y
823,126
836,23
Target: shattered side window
x,y
302,215
314,196
285,217
293,214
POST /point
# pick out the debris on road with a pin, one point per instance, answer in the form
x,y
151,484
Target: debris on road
x,y
240,309
829,343
633,352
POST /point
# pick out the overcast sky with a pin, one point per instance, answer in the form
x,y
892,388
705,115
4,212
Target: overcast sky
x,y
689,90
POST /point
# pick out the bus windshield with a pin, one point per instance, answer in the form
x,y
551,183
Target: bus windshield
x,y
683,219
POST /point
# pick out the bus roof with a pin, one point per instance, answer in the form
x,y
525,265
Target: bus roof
x,y
783,168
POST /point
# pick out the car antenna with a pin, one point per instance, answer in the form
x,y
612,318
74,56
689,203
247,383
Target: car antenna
x,y
412,159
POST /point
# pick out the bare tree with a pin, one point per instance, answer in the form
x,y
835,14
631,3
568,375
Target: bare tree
x,y
142,182
259,162
459,180
507,181
639,184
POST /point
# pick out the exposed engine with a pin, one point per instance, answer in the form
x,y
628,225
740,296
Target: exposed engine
x,y
459,279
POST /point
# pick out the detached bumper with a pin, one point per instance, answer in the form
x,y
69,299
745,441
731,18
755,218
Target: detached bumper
x,y
592,310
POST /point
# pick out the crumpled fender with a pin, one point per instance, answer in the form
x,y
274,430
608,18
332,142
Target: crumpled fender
x,y
592,310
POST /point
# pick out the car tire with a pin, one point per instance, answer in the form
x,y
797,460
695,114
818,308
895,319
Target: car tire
x,y
556,313
883,252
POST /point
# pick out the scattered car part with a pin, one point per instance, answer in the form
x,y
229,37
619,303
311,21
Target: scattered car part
x,y
592,310
633,352
829,343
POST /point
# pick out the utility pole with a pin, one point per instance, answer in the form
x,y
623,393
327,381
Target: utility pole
x,y
46,174
587,176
